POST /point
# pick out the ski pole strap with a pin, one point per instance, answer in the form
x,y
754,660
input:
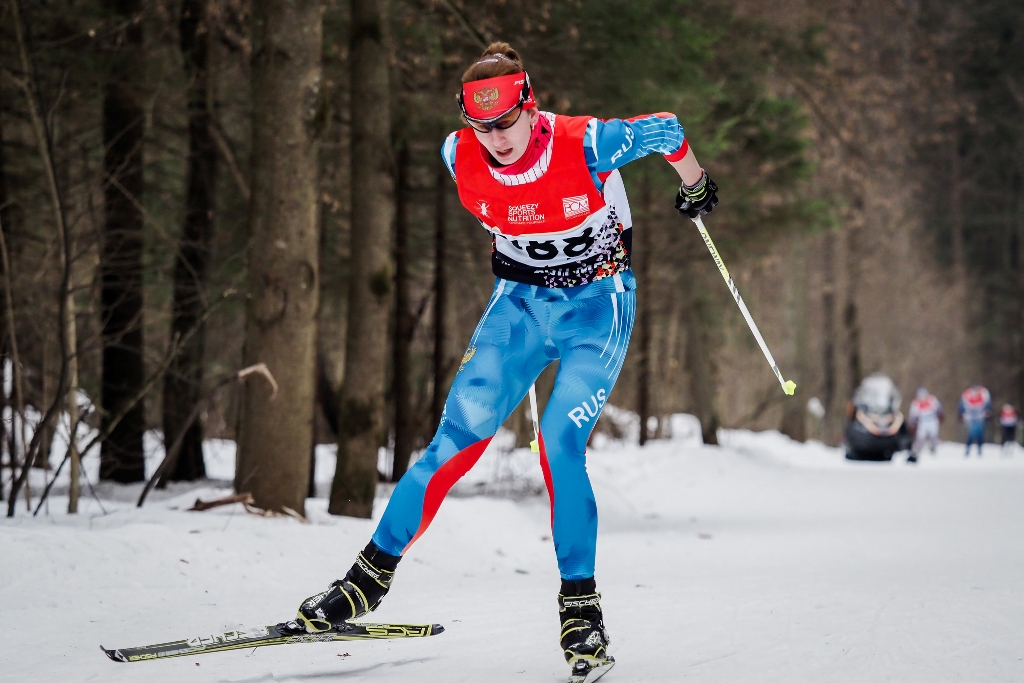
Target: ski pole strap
x,y
788,386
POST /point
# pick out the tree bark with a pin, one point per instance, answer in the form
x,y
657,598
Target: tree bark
x,y
361,419
956,210
121,457
794,412
643,375
441,366
642,249
183,384
401,387
41,461
833,412
5,217
701,378
275,439
854,369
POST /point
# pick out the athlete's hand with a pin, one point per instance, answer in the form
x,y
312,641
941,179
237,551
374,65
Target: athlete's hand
x,y
698,199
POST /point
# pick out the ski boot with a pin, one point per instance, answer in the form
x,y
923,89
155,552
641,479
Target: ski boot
x,y
584,638
362,589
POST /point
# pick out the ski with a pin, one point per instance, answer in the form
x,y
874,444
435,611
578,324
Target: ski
x,y
285,633
593,672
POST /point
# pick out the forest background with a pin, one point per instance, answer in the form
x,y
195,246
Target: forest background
x,y
193,187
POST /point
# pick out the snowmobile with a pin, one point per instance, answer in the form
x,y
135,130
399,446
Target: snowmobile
x,y
876,429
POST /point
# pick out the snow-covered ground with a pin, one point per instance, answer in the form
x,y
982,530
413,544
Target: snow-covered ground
x,y
761,560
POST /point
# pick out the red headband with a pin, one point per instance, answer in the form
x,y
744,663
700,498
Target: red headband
x,y
491,98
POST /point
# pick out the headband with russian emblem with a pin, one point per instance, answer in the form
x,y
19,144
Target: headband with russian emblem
x,y
491,98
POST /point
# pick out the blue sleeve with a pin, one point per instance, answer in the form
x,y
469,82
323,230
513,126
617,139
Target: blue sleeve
x,y
612,144
448,152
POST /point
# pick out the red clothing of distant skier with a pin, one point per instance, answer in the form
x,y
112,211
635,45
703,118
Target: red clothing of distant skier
x,y
555,202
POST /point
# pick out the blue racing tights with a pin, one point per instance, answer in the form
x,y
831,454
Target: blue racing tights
x,y
523,329
975,434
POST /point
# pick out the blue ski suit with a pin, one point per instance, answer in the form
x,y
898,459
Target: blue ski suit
x,y
525,327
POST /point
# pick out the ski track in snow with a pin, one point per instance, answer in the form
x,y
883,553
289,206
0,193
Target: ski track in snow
x,y
760,560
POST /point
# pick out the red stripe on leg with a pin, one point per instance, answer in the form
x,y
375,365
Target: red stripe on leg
x,y
546,469
443,480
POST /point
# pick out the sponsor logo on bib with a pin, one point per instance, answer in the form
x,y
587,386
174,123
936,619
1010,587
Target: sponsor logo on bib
x,y
576,206
524,213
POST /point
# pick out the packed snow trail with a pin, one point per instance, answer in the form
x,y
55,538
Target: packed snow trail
x,y
761,560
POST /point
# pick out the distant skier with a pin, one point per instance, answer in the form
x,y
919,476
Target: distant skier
x,y
547,188
1008,422
924,417
975,409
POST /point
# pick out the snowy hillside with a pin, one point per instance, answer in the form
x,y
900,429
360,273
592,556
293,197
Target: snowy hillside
x,y
761,560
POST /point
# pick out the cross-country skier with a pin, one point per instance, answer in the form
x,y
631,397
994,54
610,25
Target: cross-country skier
x,y
548,190
975,409
924,417
1008,422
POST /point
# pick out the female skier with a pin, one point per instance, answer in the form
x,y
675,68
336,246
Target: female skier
x,y
548,190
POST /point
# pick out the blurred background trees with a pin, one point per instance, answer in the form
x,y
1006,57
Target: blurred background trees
x,y
223,210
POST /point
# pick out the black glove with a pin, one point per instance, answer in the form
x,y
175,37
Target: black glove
x,y
701,198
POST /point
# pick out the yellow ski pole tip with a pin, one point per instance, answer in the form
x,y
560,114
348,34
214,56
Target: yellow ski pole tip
x,y
789,387
534,446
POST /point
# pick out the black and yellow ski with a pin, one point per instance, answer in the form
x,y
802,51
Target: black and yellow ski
x,y
285,633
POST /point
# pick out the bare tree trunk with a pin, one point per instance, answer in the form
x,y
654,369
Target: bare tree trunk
x,y
642,248
855,371
275,439
71,405
362,416
5,218
401,387
183,384
17,388
42,459
956,210
833,413
441,365
698,362
644,323
794,413
68,337
121,457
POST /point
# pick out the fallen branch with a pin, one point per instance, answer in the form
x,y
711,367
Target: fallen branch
x,y
285,512
170,460
201,506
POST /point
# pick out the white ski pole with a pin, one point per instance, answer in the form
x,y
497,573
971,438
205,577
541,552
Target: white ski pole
x,y
535,444
788,386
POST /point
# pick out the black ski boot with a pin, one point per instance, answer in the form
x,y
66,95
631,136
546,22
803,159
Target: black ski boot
x,y
584,638
362,589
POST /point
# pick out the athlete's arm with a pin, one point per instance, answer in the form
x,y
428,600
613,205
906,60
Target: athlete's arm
x,y
448,152
612,144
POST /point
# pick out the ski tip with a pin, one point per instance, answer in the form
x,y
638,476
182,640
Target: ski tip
x,y
436,629
114,655
789,387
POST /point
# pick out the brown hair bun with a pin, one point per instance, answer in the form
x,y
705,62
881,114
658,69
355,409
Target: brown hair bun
x,y
499,59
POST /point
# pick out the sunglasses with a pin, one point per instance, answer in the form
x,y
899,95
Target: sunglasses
x,y
503,122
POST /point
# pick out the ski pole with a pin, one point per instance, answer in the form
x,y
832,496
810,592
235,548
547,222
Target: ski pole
x,y
788,386
535,444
